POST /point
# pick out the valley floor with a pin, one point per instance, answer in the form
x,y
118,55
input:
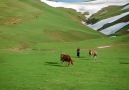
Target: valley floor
x,y
39,67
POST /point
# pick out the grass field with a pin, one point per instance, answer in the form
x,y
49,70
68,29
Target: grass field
x,y
30,51
39,67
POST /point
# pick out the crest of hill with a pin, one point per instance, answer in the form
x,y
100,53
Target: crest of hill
x,y
106,12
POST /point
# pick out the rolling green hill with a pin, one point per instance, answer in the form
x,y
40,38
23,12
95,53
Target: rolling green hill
x,y
30,22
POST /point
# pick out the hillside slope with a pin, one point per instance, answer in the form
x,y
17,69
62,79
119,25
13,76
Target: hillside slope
x,y
99,10
110,20
26,22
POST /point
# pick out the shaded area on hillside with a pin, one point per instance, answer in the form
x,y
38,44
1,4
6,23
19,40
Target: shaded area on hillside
x,y
68,36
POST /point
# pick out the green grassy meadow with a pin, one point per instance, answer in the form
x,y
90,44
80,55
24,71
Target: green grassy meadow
x,y
39,68
32,39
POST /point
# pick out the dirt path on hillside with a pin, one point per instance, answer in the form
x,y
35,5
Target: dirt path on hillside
x,y
15,20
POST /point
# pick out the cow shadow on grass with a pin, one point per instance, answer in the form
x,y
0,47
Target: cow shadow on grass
x,y
54,64
85,59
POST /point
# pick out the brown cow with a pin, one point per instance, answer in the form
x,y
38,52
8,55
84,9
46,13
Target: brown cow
x,y
93,53
66,58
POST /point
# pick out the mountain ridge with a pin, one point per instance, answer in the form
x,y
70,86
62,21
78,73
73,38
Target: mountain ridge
x,y
110,21
103,10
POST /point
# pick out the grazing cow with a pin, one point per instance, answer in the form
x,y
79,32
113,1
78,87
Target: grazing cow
x,y
93,53
66,58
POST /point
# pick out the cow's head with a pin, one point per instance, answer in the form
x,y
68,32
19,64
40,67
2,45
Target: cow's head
x,y
72,62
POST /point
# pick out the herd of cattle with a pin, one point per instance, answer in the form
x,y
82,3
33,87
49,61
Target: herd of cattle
x,y
66,58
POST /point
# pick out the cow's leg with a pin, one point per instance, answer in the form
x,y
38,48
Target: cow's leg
x,y
95,57
68,63
62,61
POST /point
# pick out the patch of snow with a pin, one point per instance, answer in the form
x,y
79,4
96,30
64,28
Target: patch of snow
x,y
91,7
103,46
100,24
114,28
126,7
84,23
